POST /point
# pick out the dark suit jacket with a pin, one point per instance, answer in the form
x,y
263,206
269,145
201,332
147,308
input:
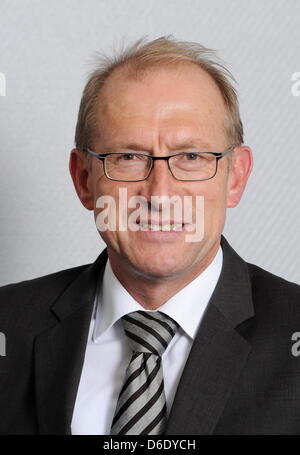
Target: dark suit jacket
x,y
240,377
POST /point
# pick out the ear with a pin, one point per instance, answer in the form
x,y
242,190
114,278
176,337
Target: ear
x,y
81,175
241,167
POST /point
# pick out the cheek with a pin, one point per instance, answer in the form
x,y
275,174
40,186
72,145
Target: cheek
x,y
111,201
214,206
214,191
104,187
215,199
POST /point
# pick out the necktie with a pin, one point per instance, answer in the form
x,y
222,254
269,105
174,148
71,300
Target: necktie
x,y
141,406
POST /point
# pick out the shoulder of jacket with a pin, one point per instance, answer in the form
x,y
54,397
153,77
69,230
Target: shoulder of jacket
x,y
52,283
274,295
268,280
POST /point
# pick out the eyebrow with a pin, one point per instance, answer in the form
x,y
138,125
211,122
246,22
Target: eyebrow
x,y
179,146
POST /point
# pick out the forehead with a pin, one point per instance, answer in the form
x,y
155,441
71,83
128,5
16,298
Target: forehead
x,y
179,102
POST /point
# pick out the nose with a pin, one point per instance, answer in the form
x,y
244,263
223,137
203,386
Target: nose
x,y
160,181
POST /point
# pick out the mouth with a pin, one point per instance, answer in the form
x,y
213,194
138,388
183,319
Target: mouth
x,y
160,226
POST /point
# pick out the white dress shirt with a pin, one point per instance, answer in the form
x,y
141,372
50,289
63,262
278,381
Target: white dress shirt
x,y
108,353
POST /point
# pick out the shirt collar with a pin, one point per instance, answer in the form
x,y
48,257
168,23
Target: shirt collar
x,y
186,307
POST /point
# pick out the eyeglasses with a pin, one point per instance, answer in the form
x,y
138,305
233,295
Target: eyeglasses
x,y
136,167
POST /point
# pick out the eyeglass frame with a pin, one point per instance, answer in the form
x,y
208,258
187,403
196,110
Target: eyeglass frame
x,y
102,156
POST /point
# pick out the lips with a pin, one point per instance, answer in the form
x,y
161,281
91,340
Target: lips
x,y
156,225
161,227
157,221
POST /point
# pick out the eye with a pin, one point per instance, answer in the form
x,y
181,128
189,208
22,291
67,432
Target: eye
x,y
128,156
191,156
201,157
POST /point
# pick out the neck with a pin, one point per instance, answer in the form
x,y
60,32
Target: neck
x,y
152,292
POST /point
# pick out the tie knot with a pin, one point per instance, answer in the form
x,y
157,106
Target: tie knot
x,y
149,331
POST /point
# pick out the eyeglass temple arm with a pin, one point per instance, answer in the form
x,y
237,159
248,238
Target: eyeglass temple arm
x,y
97,155
220,155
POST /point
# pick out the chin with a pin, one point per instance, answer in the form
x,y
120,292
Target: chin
x,y
158,267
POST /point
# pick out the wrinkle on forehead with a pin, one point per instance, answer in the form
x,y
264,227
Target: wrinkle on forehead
x,y
129,108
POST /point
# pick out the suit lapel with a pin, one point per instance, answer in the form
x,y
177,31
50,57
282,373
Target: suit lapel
x,y
218,353
59,351
215,361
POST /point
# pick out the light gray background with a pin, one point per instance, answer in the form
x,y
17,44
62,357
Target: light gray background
x,y
45,51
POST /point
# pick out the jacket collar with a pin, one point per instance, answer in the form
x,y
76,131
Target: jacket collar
x,y
233,293
217,356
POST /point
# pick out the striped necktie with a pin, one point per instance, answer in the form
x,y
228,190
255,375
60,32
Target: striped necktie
x,y
141,406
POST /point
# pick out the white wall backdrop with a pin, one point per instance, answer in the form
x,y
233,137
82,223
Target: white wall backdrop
x,y
45,51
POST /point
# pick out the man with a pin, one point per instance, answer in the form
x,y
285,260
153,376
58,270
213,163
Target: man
x,y
161,334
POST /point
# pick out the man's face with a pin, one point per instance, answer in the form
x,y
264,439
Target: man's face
x,y
161,114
